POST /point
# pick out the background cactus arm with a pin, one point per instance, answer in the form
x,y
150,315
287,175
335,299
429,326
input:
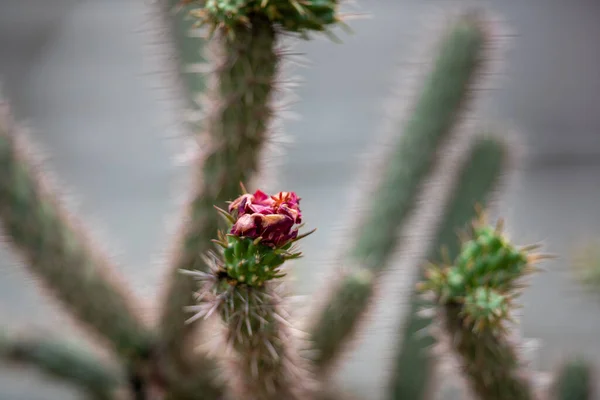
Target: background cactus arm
x,y
574,381
480,175
65,362
489,360
434,116
438,108
58,252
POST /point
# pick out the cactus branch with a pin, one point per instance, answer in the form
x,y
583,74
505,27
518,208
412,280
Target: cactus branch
x,y
65,362
339,319
242,287
257,329
435,114
479,176
574,381
57,250
240,112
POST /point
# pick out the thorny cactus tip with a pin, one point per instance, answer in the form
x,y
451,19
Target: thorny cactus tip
x,y
483,278
262,231
298,16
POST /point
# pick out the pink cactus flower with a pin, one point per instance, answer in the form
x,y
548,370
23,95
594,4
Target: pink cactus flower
x,y
270,217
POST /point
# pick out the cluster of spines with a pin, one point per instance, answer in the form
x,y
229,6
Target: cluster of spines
x,y
482,279
476,294
266,364
298,16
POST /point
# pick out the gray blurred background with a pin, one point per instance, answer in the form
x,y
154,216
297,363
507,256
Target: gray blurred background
x,y
77,72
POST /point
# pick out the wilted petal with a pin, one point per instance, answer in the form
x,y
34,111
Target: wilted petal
x,y
245,226
262,198
239,204
290,212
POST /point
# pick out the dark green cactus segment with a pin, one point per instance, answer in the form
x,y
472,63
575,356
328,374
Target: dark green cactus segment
x,y
249,262
476,294
479,176
489,359
240,92
437,110
64,362
58,252
292,15
575,381
482,278
341,316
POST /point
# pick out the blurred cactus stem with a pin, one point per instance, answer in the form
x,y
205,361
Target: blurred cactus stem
x,y
57,251
242,289
65,362
239,111
480,175
574,381
476,293
189,46
437,110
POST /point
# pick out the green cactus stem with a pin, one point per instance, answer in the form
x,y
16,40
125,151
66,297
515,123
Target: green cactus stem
x,y
240,102
437,110
57,251
476,292
574,381
266,360
241,287
340,316
479,176
64,362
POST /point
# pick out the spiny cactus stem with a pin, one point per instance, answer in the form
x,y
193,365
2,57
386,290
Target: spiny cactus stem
x,y
239,106
437,110
488,359
65,362
57,250
266,364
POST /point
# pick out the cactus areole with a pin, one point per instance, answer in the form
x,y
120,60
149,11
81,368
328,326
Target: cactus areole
x,y
262,231
299,16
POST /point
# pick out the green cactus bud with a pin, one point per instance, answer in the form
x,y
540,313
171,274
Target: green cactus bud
x,y
250,263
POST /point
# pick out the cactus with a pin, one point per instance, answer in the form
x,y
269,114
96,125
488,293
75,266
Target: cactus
x,y
230,260
477,178
574,381
476,292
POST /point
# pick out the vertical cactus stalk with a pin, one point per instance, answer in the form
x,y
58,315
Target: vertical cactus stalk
x,y
241,288
239,113
57,250
238,105
438,109
480,175
436,112
476,292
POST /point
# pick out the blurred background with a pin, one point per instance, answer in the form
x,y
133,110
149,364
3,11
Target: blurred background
x,y
79,74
